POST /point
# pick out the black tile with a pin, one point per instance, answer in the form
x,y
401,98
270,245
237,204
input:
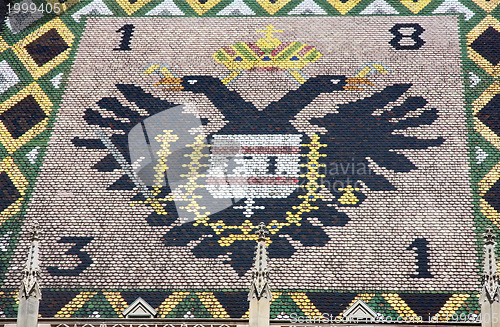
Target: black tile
x,y
235,303
53,300
425,304
8,191
488,45
331,303
490,115
23,116
47,47
493,196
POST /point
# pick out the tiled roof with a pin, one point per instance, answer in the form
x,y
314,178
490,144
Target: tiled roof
x,y
314,106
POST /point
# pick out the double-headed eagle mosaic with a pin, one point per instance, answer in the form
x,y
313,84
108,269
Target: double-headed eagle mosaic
x,y
294,185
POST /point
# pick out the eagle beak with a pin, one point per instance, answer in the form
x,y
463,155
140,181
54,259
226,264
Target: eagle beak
x,y
173,84
353,82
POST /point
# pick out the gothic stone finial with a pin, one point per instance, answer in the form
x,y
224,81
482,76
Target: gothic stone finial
x,y
34,232
489,236
490,293
262,232
31,273
260,272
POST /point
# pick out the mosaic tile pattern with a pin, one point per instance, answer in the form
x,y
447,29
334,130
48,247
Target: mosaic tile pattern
x,y
36,56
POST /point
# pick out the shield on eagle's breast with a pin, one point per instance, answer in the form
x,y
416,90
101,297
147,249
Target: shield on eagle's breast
x,y
265,166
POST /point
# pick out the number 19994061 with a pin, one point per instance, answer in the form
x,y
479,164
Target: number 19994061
x,y
25,8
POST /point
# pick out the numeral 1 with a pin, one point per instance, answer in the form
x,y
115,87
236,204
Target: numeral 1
x,y
126,31
421,249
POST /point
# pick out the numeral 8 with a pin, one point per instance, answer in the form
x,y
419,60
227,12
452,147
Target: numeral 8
x,y
418,42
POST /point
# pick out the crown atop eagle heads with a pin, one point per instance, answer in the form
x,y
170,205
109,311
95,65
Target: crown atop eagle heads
x,y
267,53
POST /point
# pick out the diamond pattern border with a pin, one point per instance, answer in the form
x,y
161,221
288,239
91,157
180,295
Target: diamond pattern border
x,y
389,304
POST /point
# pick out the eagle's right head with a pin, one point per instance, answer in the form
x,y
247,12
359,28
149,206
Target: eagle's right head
x,y
195,83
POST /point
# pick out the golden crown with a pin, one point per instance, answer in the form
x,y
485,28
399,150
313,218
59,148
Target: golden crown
x,y
268,53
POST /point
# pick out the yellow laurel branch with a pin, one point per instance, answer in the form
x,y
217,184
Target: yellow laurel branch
x,y
312,186
165,140
189,189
